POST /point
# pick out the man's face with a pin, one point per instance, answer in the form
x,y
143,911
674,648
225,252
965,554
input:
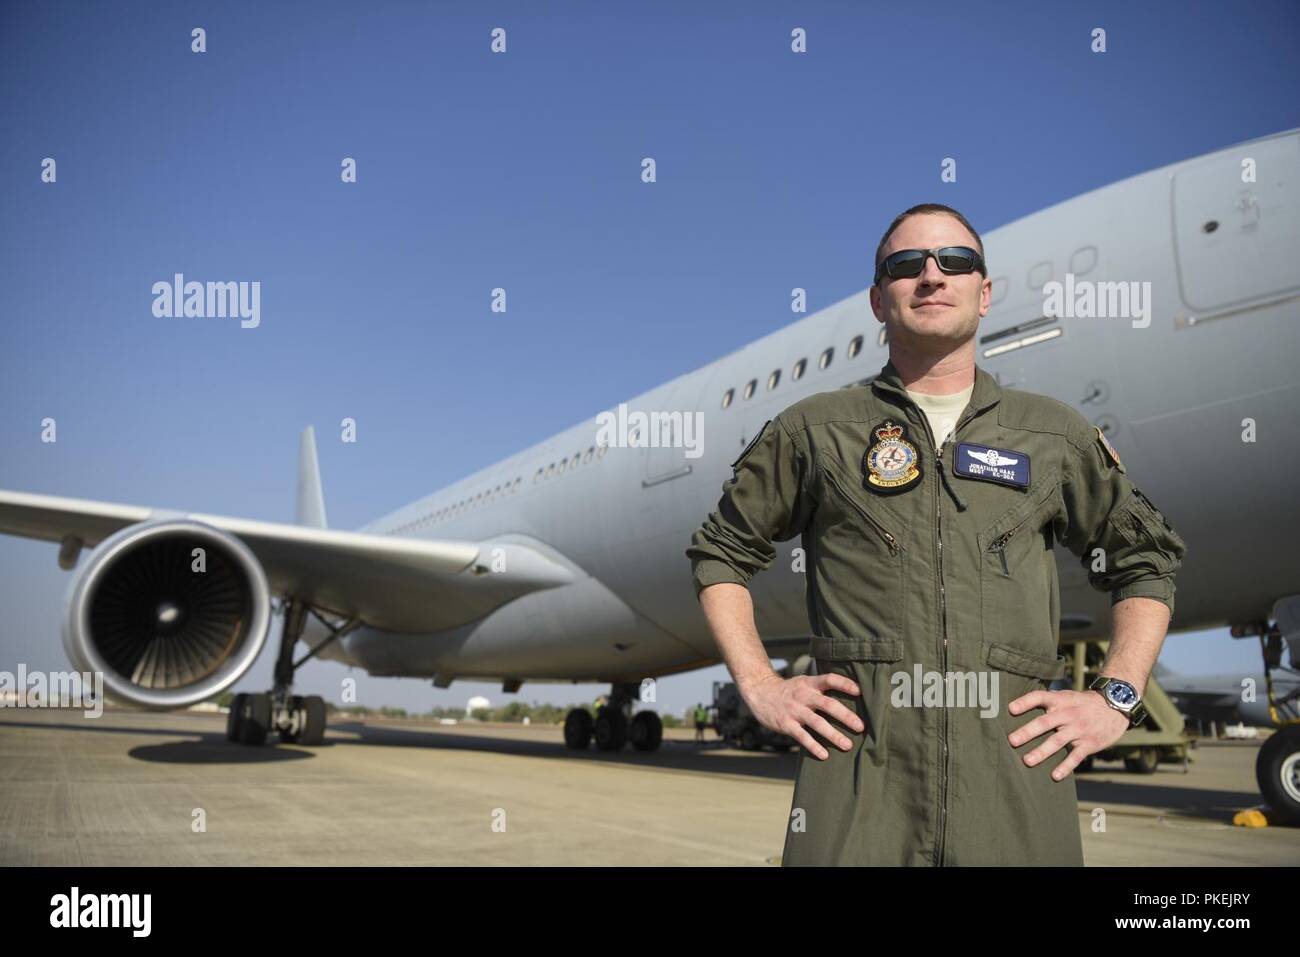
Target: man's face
x,y
935,311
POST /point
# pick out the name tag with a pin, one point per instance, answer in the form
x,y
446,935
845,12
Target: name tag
x,y
1004,466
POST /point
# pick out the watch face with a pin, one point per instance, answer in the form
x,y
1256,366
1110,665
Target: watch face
x,y
1123,694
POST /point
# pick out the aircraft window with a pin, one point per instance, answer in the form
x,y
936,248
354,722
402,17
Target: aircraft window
x,y
538,474
559,469
601,450
1083,260
749,387
855,346
826,358
799,368
727,397
591,450
550,470
576,456
1040,274
773,379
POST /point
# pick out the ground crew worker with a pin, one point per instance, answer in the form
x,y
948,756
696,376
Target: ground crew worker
x,y
928,503
701,722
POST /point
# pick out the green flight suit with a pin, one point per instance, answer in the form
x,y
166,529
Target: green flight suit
x,y
953,573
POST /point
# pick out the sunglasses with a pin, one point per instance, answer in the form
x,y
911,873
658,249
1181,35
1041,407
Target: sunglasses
x,y
907,263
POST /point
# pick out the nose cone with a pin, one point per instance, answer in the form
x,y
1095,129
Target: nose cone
x,y
168,615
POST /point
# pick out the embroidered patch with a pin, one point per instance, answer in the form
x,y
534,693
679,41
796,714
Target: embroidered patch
x,y
1004,466
1110,449
892,464
753,442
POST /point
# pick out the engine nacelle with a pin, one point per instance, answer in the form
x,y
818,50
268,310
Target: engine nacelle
x,y
164,635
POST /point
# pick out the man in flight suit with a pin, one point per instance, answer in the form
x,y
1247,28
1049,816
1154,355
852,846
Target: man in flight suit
x,y
928,503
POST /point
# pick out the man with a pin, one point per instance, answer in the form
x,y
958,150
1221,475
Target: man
x,y
928,503
701,722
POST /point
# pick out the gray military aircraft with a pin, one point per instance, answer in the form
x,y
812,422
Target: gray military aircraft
x,y
565,562
1229,697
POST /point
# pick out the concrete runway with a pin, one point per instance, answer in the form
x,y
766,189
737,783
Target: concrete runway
x,y
123,789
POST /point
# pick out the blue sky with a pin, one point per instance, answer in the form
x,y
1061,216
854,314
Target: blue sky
x,y
519,170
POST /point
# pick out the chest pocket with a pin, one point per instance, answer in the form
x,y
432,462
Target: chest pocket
x,y
1018,587
859,559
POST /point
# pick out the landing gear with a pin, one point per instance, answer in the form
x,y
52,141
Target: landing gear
x,y
647,731
1277,767
577,729
297,719
250,719
1277,771
614,725
306,721
611,729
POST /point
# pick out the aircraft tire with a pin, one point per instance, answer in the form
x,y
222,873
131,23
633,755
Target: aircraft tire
x,y
1277,770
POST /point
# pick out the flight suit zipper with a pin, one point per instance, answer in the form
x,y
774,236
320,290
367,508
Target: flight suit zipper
x,y
890,542
943,617
999,545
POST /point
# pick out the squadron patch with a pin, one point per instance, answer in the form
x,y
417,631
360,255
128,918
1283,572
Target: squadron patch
x,y
1110,449
892,464
1004,466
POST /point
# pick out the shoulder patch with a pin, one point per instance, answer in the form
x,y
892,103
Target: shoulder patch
x,y
752,442
1109,449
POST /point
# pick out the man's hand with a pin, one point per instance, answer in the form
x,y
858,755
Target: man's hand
x,y
787,704
1081,719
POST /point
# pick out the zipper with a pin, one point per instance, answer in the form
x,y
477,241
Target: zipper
x,y
883,532
943,614
999,545
943,624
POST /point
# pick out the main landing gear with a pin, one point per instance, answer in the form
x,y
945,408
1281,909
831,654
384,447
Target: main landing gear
x,y
615,724
297,719
1277,766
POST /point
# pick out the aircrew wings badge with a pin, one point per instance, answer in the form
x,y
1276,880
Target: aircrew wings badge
x,y
892,464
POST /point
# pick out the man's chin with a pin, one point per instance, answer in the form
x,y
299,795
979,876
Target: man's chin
x,y
932,336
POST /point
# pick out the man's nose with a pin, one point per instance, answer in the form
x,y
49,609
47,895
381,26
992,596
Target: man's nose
x,y
932,275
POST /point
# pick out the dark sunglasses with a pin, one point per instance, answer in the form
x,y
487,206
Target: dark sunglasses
x,y
907,263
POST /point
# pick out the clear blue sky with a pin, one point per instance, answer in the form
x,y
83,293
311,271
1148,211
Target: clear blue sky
x,y
519,170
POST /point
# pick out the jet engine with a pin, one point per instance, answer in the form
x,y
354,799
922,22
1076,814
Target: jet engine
x,y
171,612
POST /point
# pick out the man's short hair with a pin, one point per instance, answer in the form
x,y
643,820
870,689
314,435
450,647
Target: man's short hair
x,y
926,208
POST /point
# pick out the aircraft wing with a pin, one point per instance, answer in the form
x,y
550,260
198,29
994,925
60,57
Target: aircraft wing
x,y
397,584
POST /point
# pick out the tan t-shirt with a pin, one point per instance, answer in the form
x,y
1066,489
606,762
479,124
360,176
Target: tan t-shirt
x,y
942,411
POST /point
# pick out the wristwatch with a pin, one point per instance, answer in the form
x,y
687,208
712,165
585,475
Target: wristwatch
x,y
1121,696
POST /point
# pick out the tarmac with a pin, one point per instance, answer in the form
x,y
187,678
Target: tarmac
x,y
136,788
